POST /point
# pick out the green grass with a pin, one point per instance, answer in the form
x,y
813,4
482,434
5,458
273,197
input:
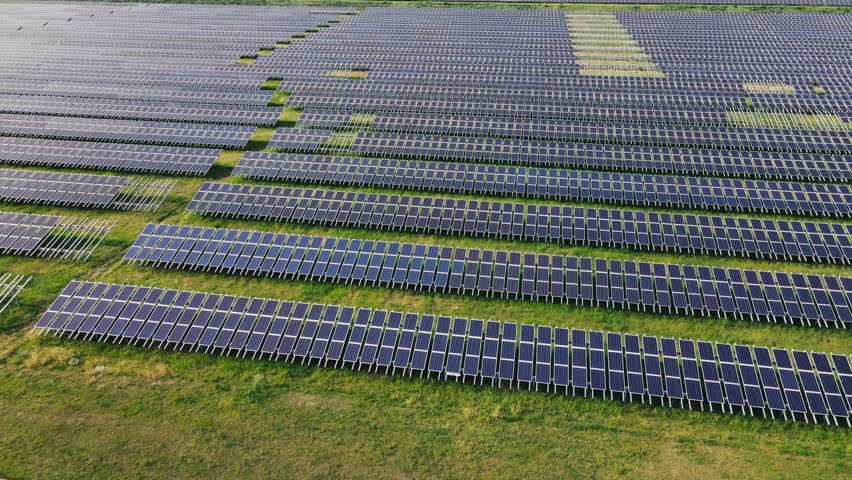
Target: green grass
x,y
355,74
103,411
279,98
362,119
271,84
342,140
107,410
289,117
75,409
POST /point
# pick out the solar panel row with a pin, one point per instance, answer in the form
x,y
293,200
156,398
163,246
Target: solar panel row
x,y
539,95
140,76
668,191
456,85
700,234
615,156
822,300
570,360
544,107
554,83
50,235
496,180
110,130
495,149
135,110
191,94
564,130
408,173
503,125
81,190
21,233
107,156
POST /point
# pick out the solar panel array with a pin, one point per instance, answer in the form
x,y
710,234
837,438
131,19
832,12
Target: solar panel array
x,y
107,156
704,133
82,190
277,166
106,82
734,378
109,130
134,110
640,230
50,235
821,300
142,89
707,136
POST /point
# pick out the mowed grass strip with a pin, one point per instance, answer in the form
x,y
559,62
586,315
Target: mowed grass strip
x,y
76,409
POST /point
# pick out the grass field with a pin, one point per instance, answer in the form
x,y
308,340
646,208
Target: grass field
x,y
81,410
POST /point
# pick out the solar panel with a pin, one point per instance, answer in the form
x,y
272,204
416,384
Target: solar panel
x,y
491,219
690,378
407,336
789,382
526,355
508,351
422,344
456,351
833,395
730,376
356,337
440,342
488,368
530,276
579,360
340,335
810,384
372,339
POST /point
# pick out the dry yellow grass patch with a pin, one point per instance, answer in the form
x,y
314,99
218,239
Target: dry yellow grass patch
x,y
40,356
605,72
603,48
156,372
616,63
769,87
363,119
342,139
589,55
620,49
357,74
